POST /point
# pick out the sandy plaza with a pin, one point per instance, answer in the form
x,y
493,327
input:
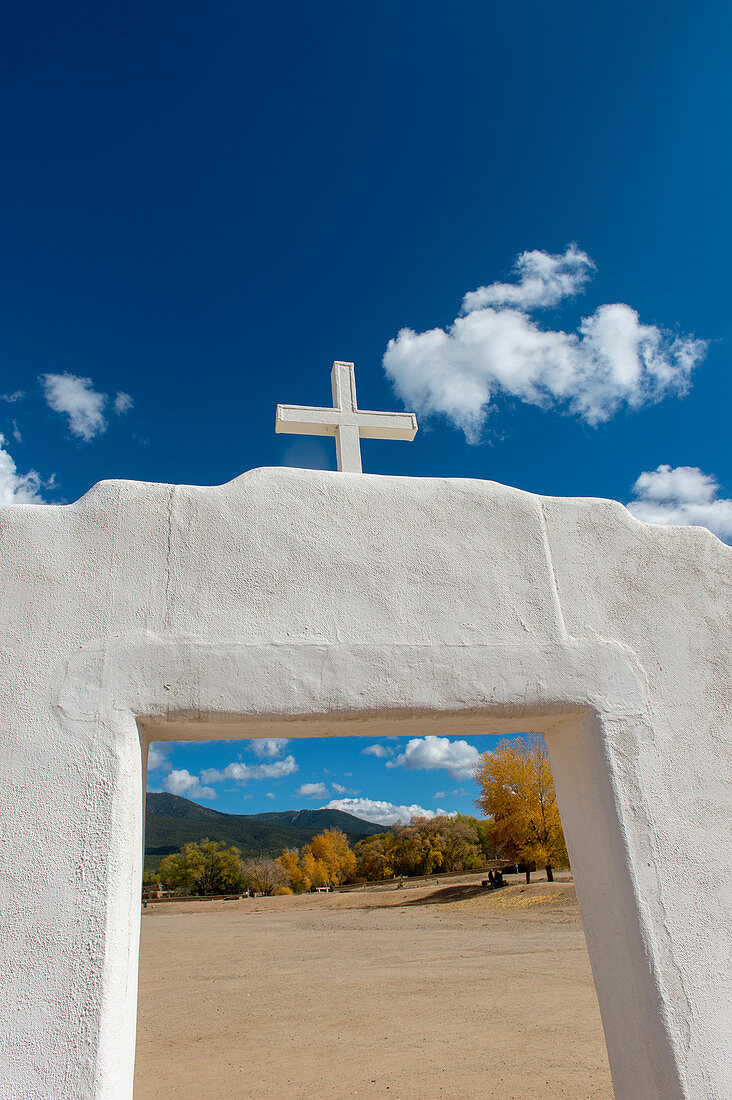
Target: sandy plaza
x,y
444,991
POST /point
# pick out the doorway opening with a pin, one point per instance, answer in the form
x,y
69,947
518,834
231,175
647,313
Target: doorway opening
x,y
423,984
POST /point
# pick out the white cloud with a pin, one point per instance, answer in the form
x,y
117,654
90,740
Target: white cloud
x,y
243,773
494,347
543,281
312,790
157,756
77,398
682,495
459,758
382,813
270,794
269,746
338,788
377,750
17,488
183,783
122,403
439,794
685,484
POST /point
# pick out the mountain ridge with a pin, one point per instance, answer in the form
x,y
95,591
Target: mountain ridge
x,y
172,821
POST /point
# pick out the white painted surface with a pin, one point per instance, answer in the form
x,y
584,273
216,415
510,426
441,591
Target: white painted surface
x,y
345,420
299,603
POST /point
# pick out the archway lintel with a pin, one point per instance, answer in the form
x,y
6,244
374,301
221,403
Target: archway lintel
x,y
235,689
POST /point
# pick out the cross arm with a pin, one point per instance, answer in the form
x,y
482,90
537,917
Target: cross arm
x,y
305,420
387,425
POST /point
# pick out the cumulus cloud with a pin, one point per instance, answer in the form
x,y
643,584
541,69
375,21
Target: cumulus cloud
x,y
243,773
11,398
77,398
268,747
181,782
122,403
682,495
459,758
543,281
157,756
382,813
312,790
270,794
494,347
377,750
17,488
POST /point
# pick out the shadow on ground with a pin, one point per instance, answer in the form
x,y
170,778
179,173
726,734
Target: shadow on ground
x,y
451,893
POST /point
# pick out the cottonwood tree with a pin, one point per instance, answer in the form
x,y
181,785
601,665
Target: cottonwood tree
x,y
331,848
486,845
375,857
301,870
264,874
328,858
314,871
517,794
423,847
292,870
460,844
419,846
206,867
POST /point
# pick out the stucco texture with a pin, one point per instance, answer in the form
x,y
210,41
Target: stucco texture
x,y
310,603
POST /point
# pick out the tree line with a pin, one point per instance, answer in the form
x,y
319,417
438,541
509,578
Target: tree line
x,y
522,824
423,847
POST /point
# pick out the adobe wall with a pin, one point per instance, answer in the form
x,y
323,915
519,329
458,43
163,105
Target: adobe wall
x,y
300,603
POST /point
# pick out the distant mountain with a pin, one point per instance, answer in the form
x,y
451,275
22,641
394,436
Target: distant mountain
x,y
172,821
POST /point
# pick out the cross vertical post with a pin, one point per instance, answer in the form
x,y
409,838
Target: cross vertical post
x,y
348,443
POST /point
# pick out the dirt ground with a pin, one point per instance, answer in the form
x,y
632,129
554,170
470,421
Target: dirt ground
x,y
444,991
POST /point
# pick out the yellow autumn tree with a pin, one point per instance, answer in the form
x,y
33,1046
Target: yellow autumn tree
x,y
293,871
314,871
517,794
328,858
331,848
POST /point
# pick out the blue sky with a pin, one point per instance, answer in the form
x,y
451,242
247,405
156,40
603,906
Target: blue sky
x,y
202,208
379,779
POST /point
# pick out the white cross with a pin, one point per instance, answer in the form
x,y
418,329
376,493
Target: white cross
x,y
345,421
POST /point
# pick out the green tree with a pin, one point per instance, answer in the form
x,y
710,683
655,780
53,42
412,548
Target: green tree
x,y
421,846
460,846
206,867
488,848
